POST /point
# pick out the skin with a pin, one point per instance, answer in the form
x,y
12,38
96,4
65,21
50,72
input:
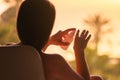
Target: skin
x,y
63,71
34,25
80,44
56,39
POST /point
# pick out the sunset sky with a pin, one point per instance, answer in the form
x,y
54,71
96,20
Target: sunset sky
x,y
71,13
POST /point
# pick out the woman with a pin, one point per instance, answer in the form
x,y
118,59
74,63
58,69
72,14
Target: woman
x,y
34,25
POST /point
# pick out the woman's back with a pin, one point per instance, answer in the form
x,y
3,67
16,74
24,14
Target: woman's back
x,y
34,25
56,68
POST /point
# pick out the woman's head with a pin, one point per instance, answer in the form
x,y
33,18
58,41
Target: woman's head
x,y
35,22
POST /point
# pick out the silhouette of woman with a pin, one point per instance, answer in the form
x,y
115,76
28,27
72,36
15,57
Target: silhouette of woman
x,y
34,25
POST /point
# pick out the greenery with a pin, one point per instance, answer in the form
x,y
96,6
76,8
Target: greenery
x,y
8,32
104,66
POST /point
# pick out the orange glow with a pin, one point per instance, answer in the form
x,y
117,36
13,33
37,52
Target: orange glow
x,y
70,13
4,6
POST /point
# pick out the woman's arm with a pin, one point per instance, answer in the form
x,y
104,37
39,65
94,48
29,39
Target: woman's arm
x,y
79,47
60,69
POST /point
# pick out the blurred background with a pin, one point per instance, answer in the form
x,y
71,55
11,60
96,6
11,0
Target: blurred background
x,y
100,17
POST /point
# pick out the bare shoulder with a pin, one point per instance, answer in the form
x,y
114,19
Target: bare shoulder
x,y
59,69
54,58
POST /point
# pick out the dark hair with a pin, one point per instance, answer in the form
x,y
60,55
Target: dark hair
x,y
35,22
35,0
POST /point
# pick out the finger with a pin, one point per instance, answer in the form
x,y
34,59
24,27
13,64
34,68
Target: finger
x,y
58,33
88,38
65,43
71,29
62,43
85,34
77,34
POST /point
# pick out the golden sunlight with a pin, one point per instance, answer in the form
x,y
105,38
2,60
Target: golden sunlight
x,y
4,6
71,14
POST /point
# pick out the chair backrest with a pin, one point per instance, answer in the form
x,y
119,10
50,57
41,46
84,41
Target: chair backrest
x,y
20,63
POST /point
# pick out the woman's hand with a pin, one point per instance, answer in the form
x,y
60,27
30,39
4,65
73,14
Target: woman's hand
x,y
56,39
80,44
62,38
81,41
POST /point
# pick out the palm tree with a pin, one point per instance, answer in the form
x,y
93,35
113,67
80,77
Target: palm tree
x,y
97,23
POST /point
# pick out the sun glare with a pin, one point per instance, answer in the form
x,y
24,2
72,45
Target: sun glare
x,y
74,11
4,6
70,13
